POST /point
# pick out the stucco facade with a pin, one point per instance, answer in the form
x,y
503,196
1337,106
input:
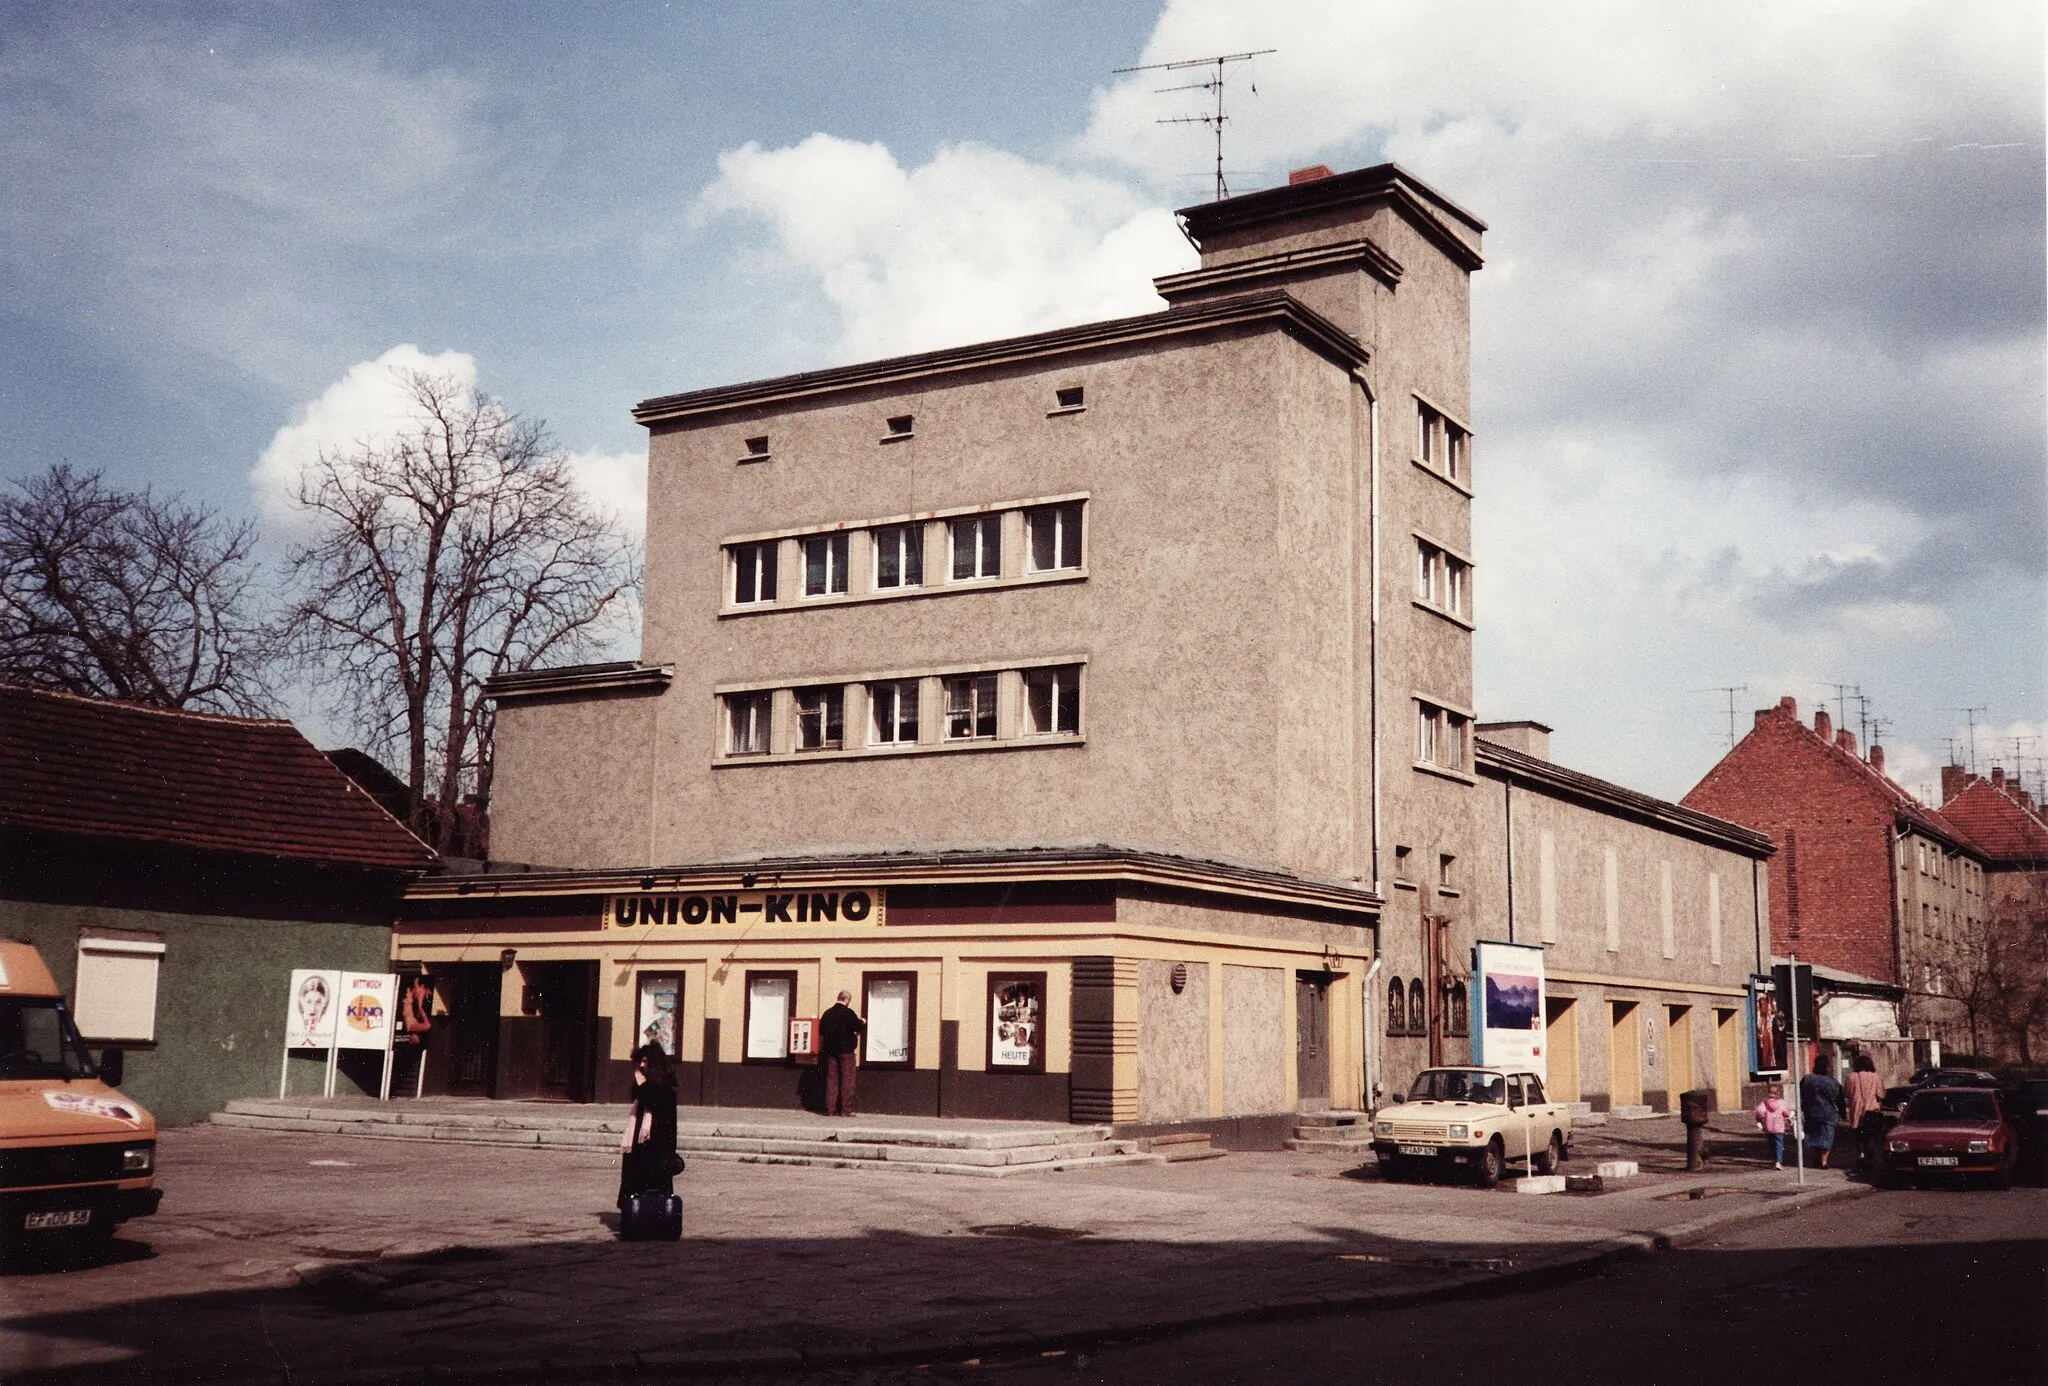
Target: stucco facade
x,y
1184,605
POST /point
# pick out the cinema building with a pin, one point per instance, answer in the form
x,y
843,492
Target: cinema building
x,y
1065,698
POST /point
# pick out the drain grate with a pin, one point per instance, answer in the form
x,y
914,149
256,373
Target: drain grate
x,y
1030,1231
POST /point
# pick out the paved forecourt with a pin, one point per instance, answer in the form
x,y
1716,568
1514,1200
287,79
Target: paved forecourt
x,y
303,1256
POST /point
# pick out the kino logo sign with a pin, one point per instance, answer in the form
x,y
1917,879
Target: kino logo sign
x,y
768,907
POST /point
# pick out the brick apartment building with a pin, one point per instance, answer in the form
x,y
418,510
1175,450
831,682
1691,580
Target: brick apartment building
x,y
2005,823
1873,888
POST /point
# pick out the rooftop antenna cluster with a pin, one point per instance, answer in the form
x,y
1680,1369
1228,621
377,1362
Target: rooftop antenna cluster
x,y
1213,83
1971,714
1728,691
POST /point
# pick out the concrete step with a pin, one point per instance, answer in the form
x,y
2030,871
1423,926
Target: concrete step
x,y
1313,1146
994,1153
1176,1146
1632,1113
1340,1119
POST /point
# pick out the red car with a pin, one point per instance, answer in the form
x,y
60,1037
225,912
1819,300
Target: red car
x,y
1959,1131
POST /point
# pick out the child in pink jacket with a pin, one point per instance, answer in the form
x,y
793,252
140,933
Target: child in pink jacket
x,y
1774,1118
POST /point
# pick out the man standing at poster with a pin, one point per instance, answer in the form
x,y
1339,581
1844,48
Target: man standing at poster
x,y
839,1035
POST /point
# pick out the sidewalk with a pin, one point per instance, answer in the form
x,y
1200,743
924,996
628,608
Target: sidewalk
x,y
318,1258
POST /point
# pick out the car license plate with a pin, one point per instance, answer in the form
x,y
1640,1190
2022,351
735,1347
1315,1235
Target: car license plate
x,y
45,1222
1418,1150
1939,1160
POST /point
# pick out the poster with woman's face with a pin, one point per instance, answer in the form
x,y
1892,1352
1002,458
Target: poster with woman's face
x,y
661,999
1768,1028
309,1018
1018,1011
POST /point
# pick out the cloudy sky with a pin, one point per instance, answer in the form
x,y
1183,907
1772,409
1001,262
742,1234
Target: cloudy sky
x,y
1758,350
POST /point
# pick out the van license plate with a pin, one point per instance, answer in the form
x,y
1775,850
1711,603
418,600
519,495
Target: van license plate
x,y
1939,1160
45,1222
1423,1150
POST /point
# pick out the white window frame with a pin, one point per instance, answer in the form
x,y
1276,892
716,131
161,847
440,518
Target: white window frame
x,y
1052,681
820,708
755,561
983,699
837,550
1068,531
749,718
886,720
986,554
908,542
1443,737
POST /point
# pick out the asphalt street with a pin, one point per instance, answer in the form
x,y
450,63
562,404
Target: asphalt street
x,y
1909,1286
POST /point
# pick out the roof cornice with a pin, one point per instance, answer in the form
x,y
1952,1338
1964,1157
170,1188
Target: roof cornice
x,y
1430,211
1360,254
922,868
580,678
1268,310
1498,762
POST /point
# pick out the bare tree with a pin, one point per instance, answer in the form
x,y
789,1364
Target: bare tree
x,y
118,594
458,550
2016,969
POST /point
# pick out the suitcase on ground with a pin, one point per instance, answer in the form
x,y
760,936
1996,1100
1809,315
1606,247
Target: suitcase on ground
x,y
651,1217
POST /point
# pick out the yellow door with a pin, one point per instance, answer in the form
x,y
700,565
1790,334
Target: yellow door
x,y
1727,1061
1678,1062
1624,1055
1561,1048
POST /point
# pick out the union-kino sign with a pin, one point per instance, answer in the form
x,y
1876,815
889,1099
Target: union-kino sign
x,y
649,910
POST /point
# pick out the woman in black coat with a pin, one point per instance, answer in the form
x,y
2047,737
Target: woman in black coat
x,y
650,1164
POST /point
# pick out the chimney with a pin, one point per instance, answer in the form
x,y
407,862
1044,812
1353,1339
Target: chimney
x,y
1787,707
1823,725
1998,777
1530,738
1954,780
1877,758
1846,739
1309,175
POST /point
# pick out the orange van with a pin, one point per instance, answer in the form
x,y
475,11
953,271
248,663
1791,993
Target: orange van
x,y
76,1156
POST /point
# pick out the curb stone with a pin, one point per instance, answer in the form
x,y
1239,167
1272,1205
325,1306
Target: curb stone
x,y
687,1363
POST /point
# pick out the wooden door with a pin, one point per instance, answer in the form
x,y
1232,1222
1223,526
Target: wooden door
x,y
1561,1047
1624,1055
1678,1062
470,991
1312,1043
1727,1060
566,994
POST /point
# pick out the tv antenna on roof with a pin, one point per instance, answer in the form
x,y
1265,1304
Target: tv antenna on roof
x,y
1212,83
1971,714
1729,690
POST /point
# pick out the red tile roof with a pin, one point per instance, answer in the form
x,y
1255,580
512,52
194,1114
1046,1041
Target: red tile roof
x,y
1998,826
187,779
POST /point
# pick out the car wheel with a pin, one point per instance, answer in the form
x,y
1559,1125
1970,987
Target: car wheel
x,y
2001,1178
1552,1156
1491,1163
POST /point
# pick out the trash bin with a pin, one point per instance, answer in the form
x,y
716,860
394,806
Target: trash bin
x,y
1695,1109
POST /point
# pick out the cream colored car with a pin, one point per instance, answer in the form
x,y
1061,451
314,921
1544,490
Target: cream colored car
x,y
1475,1119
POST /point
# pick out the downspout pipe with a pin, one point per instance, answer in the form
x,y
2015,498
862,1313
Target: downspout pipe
x,y
1373,616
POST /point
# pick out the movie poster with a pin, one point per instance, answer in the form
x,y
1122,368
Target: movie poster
x,y
1507,999
661,1006
369,1010
309,1016
1016,1021
1767,1048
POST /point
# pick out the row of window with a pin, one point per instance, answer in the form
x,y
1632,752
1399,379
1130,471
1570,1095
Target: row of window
x,y
1015,1018
1408,1008
894,713
1950,868
969,549
1441,444
1442,737
1442,580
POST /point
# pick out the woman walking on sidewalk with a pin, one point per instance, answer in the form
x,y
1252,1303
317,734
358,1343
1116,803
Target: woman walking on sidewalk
x,y
1866,1114
650,1163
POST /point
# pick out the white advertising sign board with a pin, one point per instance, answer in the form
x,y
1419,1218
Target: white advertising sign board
x,y
369,1003
315,1000
1507,1007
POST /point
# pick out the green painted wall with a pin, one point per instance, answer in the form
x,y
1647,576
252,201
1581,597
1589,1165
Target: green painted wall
x,y
222,992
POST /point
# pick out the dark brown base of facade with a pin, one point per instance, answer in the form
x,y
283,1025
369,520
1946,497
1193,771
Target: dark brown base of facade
x,y
1267,1132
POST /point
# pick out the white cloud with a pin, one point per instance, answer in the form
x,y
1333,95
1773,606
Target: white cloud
x,y
368,402
977,243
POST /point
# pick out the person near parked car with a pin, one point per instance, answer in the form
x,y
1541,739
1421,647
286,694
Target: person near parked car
x,y
1773,1117
839,1033
1820,1108
649,1162
1866,1112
